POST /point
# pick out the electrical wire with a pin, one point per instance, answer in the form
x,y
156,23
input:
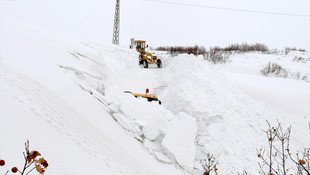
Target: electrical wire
x,y
229,9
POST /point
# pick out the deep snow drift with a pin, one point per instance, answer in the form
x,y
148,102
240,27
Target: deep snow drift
x,y
66,96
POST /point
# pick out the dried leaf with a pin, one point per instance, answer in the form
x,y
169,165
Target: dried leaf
x,y
302,162
32,155
40,169
42,161
29,159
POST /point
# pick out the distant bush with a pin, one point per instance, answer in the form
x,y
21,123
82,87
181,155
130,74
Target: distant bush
x,y
217,56
175,50
199,50
301,59
244,47
305,78
275,52
274,69
288,49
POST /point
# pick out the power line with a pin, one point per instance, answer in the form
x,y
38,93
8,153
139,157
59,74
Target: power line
x,y
229,9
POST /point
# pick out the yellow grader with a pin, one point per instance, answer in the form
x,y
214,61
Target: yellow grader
x,y
146,58
149,97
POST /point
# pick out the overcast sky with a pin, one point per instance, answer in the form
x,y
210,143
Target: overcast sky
x,y
163,24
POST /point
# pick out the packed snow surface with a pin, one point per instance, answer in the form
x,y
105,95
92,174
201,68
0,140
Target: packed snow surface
x,y
66,96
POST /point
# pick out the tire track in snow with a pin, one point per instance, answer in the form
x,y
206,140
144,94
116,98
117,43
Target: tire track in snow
x,y
69,122
161,82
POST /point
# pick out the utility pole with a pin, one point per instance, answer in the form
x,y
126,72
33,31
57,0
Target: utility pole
x,y
116,24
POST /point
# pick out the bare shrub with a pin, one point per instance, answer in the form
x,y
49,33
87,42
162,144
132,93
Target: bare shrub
x,y
301,59
302,161
305,78
244,172
288,49
209,164
275,52
299,76
274,159
217,56
274,69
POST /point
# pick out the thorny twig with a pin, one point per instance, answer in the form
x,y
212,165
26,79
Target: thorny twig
x,y
276,155
300,166
209,164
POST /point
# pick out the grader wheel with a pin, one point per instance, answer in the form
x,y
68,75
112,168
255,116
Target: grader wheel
x,y
159,63
145,64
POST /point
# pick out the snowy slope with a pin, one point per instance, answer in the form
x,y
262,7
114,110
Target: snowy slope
x,y
73,130
66,96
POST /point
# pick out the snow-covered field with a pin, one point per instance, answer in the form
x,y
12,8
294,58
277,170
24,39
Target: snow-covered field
x,y
66,96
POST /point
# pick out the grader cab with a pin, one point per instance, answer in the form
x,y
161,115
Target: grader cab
x,y
146,58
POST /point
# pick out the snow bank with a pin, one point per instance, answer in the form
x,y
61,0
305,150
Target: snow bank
x,y
170,138
156,131
231,103
179,140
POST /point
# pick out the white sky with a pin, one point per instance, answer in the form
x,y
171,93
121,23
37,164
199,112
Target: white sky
x,y
166,24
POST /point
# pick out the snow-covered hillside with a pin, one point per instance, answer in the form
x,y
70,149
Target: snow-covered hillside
x,y
66,96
